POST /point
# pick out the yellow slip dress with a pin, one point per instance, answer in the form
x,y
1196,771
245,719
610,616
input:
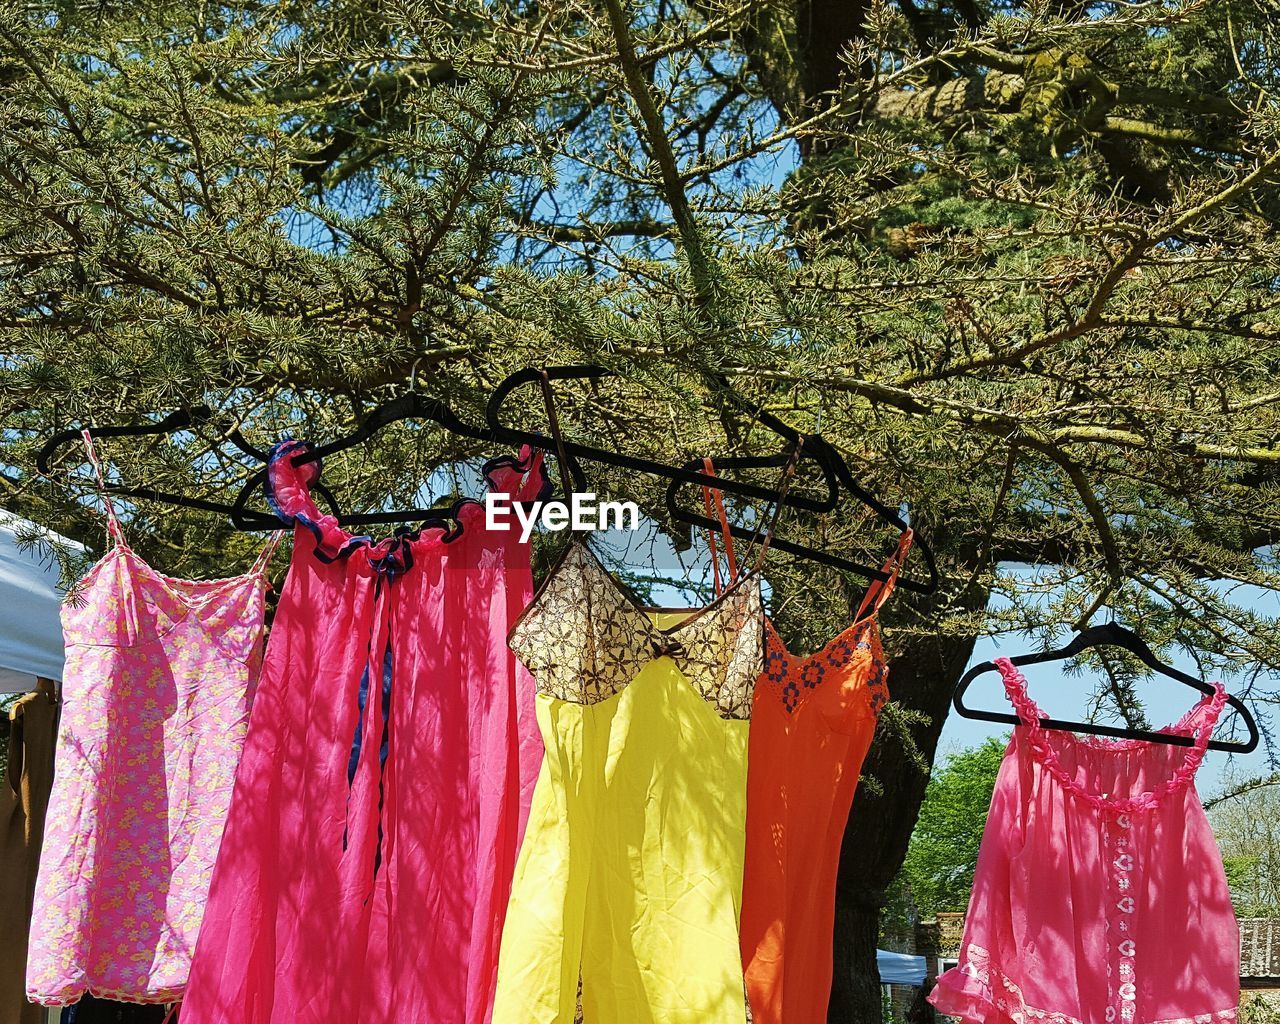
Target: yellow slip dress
x,y
630,877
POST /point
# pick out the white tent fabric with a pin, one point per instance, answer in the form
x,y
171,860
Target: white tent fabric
x,y
30,628
900,968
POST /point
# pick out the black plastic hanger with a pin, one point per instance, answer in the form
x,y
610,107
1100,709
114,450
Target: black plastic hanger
x,y
417,406
411,406
589,453
425,407
835,471
1110,634
174,422
829,458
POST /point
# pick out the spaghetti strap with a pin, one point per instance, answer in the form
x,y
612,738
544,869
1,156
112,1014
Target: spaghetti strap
x,y
713,502
713,498
113,524
264,556
881,590
788,475
563,459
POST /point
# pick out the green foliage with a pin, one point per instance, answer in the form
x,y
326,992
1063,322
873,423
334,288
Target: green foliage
x,y
944,846
1246,821
1011,292
1017,262
1256,1009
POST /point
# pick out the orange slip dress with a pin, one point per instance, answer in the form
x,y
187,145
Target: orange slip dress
x,y
812,722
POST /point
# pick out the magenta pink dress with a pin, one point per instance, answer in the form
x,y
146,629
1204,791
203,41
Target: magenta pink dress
x,y
1100,894
386,777
155,699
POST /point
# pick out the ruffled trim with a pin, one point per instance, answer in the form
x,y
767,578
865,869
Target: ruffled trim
x,y
1197,722
288,488
977,991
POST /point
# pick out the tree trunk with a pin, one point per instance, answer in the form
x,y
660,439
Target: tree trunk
x,y
921,678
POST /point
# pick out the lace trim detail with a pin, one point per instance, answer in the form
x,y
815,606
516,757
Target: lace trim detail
x,y
1206,711
1006,995
584,639
792,678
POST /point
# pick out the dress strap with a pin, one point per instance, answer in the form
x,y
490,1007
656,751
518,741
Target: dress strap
x,y
712,496
788,475
1015,686
113,524
562,455
264,556
713,502
881,590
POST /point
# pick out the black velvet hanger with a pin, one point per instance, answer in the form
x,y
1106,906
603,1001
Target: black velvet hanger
x,y
685,474
1109,634
417,406
174,422
819,448
411,406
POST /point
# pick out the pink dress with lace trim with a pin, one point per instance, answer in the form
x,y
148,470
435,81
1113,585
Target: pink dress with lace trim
x,y
386,776
155,699
1100,895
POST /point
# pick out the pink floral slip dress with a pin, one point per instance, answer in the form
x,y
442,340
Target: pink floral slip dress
x,y
155,701
1100,895
386,778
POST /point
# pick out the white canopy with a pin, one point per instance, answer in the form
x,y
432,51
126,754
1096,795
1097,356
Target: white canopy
x,y
900,968
30,627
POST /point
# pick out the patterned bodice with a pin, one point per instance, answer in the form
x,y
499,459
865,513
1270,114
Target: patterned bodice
x,y
584,638
855,650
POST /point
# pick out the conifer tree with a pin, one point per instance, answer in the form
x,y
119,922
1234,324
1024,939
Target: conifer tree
x,y
1018,262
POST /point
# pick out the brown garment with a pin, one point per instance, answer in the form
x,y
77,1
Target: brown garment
x,y
24,796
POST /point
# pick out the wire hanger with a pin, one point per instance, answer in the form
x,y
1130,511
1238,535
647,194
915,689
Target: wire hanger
x,y
174,422
1110,634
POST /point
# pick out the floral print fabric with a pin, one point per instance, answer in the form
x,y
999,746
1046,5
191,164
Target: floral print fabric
x,y
156,696
585,639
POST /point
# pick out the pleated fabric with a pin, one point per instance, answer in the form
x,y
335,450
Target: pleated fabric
x,y
386,777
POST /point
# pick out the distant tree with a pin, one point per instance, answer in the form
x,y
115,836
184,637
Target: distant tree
x,y
1246,818
943,851
1254,1009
